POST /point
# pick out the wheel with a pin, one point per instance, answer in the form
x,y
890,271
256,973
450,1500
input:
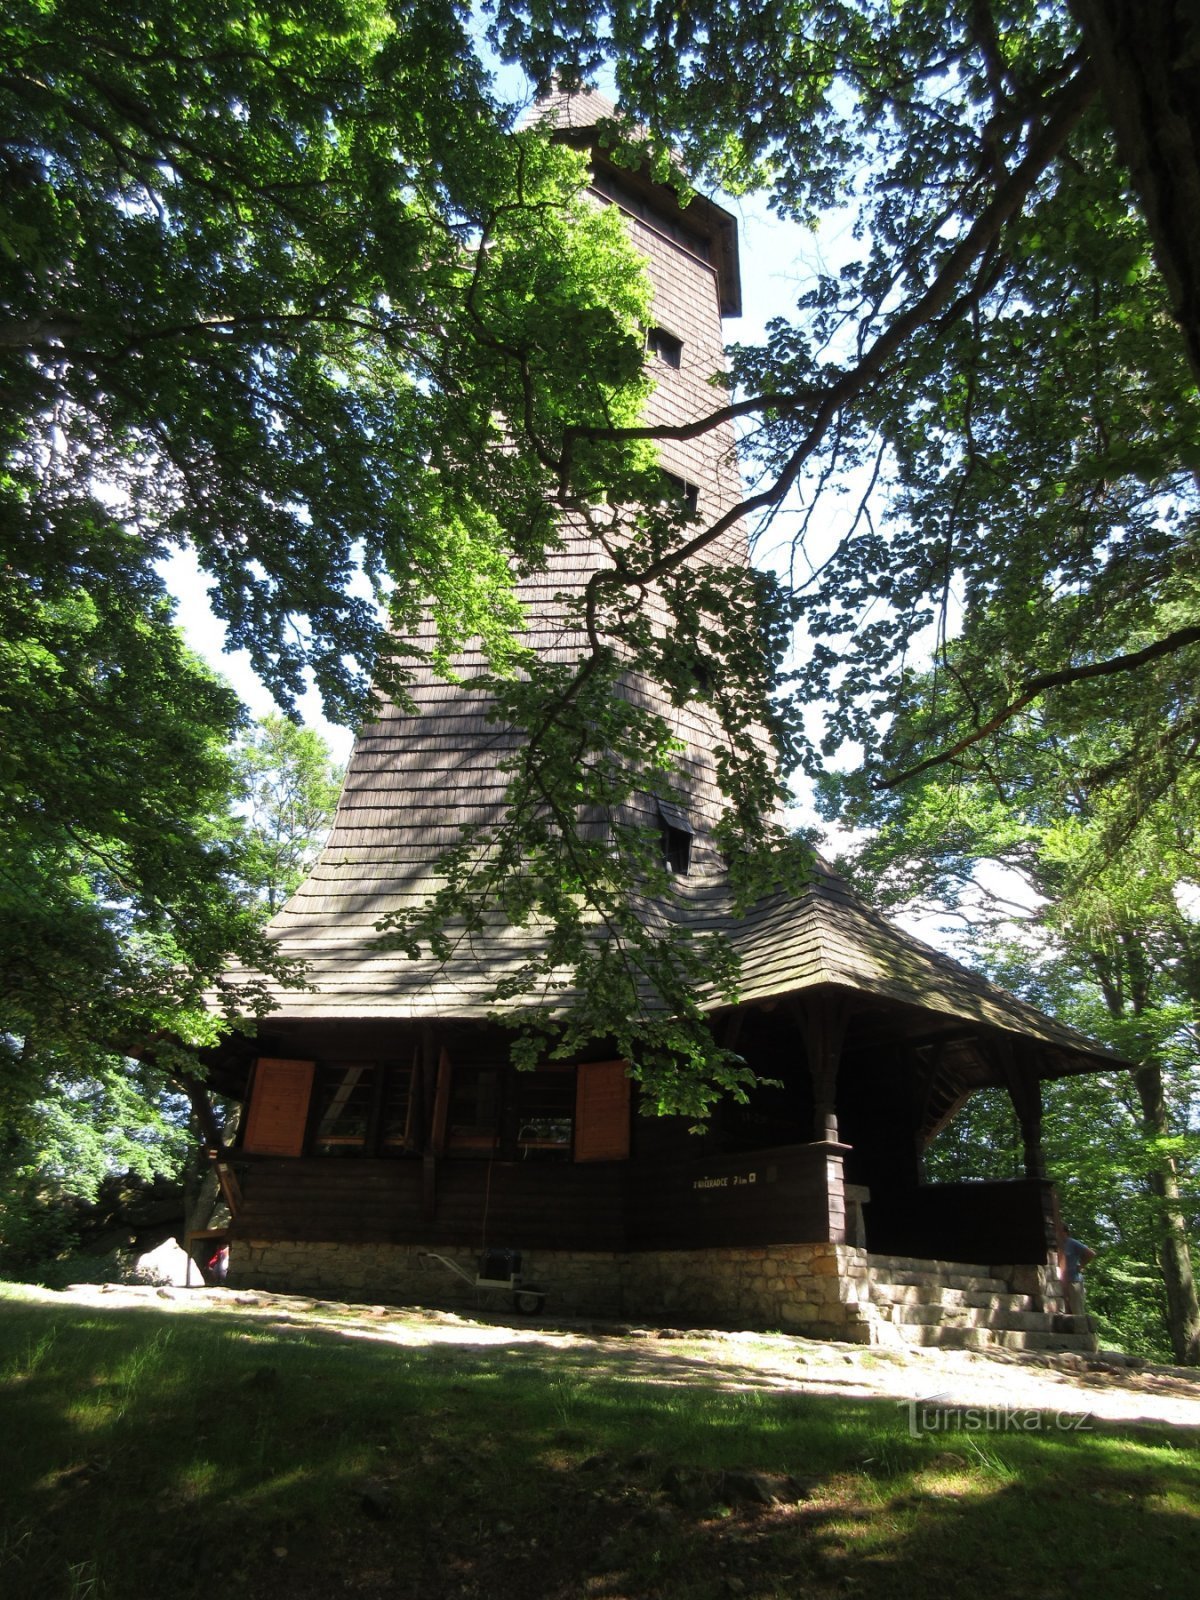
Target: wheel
x,y
528,1301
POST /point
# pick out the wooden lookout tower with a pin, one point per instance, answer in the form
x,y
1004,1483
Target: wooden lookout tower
x,y
384,1120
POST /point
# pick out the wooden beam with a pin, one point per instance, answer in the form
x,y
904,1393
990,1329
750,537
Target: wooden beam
x,y
1018,1063
441,1104
823,1020
938,1091
231,1189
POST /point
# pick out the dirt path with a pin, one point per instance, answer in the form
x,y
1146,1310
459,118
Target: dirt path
x,y
1108,1388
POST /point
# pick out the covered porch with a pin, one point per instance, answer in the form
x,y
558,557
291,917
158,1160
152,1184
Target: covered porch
x,y
864,1085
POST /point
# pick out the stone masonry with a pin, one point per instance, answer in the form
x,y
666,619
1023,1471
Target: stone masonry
x,y
817,1289
824,1291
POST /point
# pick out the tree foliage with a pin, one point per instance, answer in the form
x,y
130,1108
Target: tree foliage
x,y
118,851
289,790
1092,923
119,892
998,379
88,971
93,1124
275,277
291,285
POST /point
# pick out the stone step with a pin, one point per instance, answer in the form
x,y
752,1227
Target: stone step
x,y
1085,1342
969,1269
972,1317
942,1337
1067,1322
939,1280
911,1294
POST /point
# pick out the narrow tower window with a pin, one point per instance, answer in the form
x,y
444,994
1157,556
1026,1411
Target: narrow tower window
x,y
677,836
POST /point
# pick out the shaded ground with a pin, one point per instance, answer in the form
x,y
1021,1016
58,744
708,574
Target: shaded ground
x,y
1107,1388
185,1443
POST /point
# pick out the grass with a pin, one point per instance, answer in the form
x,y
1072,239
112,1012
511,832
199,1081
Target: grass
x,y
150,1453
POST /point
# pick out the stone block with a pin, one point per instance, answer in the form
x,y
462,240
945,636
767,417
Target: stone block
x,y
799,1313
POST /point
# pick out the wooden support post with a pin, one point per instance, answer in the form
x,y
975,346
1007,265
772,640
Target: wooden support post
x,y
437,1130
823,1019
1031,1133
1029,1110
427,1065
924,1063
1018,1061
415,1121
441,1105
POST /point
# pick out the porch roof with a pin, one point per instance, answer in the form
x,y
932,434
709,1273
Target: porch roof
x,y
824,938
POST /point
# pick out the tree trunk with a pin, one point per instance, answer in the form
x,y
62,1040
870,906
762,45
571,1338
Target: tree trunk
x,y
1183,1310
202,1190
1147,61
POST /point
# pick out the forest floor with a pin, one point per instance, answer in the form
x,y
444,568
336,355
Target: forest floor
x,y
170,1441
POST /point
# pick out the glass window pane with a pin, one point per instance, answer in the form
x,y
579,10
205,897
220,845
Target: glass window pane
x,y
544,1113
344,1094
475,1100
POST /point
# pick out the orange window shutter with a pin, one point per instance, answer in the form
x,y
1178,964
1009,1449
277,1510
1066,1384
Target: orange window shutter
x,y
602,1111
278,1107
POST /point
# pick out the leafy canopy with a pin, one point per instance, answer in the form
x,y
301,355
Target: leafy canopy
x,y
286,284
275,279
984,425
289,791
1099,933
118,851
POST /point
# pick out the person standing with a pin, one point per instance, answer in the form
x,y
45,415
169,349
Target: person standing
x,y
1075,1257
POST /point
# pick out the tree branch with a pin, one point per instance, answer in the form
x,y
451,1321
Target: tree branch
x,y
1037,685
1064,112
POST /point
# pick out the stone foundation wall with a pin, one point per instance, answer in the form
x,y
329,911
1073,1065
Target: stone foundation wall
x,y
1042,1282
816,1289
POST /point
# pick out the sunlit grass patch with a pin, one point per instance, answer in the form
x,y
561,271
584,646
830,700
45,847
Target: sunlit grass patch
x,y
147,1453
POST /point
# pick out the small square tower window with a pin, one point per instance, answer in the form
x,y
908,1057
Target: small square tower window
x,y
677,488
665,346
